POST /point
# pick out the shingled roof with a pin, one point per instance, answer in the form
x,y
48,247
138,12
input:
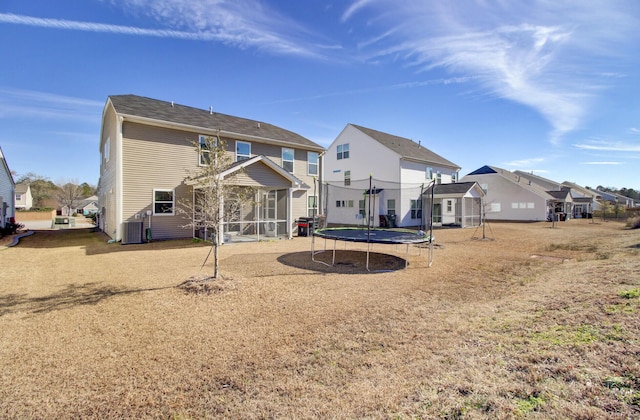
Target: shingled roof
x,y
405,147
162,111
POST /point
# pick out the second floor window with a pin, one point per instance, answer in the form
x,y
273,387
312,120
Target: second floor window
x,y
429,173
343,151
287,160
205,155
312,163
243,151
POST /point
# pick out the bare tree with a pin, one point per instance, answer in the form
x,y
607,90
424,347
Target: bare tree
x,y
216,198
69,194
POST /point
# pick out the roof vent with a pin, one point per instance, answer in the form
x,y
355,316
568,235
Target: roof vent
x,y
171,104
210,110
258,125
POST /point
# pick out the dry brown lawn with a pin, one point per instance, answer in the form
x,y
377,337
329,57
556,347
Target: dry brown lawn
x,y
534,322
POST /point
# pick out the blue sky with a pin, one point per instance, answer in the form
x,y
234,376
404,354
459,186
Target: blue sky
x,y
551,87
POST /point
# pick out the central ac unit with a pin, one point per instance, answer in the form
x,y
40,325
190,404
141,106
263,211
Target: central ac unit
x,y
132,233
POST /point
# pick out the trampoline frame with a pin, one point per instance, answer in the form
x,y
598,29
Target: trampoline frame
x,y
411,237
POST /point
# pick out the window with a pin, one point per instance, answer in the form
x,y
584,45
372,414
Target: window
x,y
312,163
163,202
453,176
343,151
287,160
361,209
429,173
205,153
311,205
449,206
18,197
350,203
416,209
340,203
347,178
391,207
243,151
438,178
107,149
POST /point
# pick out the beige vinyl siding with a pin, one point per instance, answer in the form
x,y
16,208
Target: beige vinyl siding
x,y
157,158
259,175
109,187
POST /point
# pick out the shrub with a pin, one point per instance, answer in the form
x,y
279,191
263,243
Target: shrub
x,y
10,228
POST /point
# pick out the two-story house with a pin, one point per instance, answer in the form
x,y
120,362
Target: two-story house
x,y
24,198
400,170
7,192
149,148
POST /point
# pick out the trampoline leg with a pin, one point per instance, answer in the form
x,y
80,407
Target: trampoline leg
x,y
333,261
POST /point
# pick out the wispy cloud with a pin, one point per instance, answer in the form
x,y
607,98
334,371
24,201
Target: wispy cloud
x,y
609,146
242,23
634,130
524,162
397,86
554,57
18,104
602,163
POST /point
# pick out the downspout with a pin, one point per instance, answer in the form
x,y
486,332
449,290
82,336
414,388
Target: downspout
x,y
119,181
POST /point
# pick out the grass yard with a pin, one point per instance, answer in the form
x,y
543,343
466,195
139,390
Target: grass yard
x,y
534,322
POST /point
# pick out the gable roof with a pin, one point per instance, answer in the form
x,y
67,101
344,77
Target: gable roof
x,y
406,148
22,188
453,188
513,178
483,171
236,166
162,111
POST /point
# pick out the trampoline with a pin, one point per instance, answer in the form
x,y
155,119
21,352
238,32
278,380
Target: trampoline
x,y
372,236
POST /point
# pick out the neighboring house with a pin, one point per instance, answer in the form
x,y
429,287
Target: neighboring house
x,y
88,205
24,199
614,198
512,197
7,192
585,201
148,148
400,171
457,204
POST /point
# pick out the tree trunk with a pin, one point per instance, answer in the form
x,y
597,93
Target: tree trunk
x,y
215,259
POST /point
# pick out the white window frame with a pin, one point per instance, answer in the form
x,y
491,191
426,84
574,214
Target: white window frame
x,y
243,156
312,203
342,151
173,201
202,141
453,176
391,210
107,150
416,209
347,178
428,173
292,160
311,164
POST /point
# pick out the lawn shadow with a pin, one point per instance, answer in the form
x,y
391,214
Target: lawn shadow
x,y
71,296
96,242
346,261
